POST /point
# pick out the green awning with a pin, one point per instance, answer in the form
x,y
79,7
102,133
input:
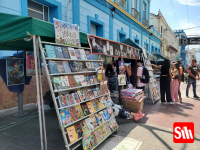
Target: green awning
x,y
159,56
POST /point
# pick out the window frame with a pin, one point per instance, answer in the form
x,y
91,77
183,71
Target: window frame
x,y
144,10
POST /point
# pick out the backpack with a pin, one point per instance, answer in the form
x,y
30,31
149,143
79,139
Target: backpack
x,y
145,76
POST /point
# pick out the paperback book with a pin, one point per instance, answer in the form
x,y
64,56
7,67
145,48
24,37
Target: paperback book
x,y
95,105
83,66
98,91
66,67
62,100
95,92
99,75
87,80
107,116
81,96
65,82
53,67
102,116
65,116
84,126
98,118
72,82
100,103
50,51
82,80
107,127
72,134
103,99
79,111
91,79
86,142
58,52
104,133
87,53
89,124
77,52
113,124
75,66
93,139
90,107
72,53
91,93
95,79
60,67
69,98
96,65
57,83
76,97
73,114
98,134
110,111
78,130
82,54
85,109
86,94
89,67
77,79
65,52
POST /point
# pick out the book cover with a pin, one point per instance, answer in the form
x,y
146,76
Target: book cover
x,y
95,79
82,54
53,67
94,121
80,94
69,98
107,116
72,82
89,123
113,124
86,94
78,130
91,79
50,51
100,103
76,97
95,92
82,80
66,67
98,135
60,67
95,105
72,134
65,52
92,66
87,80
98,91
75,66
110,111
94,57
91,93
104,133
96,65
98,118
84,126
72,53
87,53
77,79
65,116
109,102
93,139
83,65
85,109
99,75
58,52
57,83
107,127
90,107
62,100
89,67
65,82
73,114
86,142
79,111
102,116
78,54
103,99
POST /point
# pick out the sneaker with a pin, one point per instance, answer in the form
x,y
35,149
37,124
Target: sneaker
x,y
164,103
196,96
171,103
138,116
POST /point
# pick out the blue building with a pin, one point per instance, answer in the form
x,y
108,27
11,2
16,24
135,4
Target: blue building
x,y
183,52
111,19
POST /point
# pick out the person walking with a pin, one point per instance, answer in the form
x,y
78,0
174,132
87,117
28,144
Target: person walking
x,y
140,85
182,79
176,79
193,72
165,80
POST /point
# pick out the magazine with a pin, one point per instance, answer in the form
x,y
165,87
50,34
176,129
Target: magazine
x,y
58,52
50,51
98,118
102,116
73,114
89,123
79,111
100,103
84,126
72,53
80,94
110,111
78,130
77,79
65,82
60,67
57,83
107,116
82,54
77,52
53,67
95,105
69,99
93,139
65,52
86,142
62,100
90,107
76,97
85,109
113,124
72,134
66,67
65,116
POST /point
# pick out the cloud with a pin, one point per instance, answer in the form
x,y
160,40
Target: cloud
x,y
189,2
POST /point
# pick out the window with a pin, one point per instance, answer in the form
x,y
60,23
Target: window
x,y
122,37
137,41
121,3
144,10
38,11
93,29
135,4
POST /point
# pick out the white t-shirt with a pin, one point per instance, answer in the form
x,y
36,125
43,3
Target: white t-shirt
x,y
139,74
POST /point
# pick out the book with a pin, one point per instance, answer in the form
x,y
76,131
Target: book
x,y
103,131
110,111
72,53
100,103
76,97
91,93
78,130
91,79
109,102
92,66
50,51
53,67
58,52
98,118
82,80
95,92
84,126
103,99
85,109
65,116
69,98
79,111
81,96
75,66
98,135
72,82
87,80
65,52
73,114
72,134
95,79
96,64
107,127
99,75
83,66
93,140
87,53
90,107
86,94
98,91
66,67
82,54
105,112
77,52
60,67
113,124
102,116
95,105
57,83
65,82
86,141
89,124
94,121
89,67
62,100
77,79
94,56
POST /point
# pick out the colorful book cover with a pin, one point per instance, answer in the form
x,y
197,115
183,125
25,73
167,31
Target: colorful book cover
x,y
91,79
62,100
85,109
107,127
72,82
99,75
80,94
77,79
96,65
86,142
103,99
82,54
65,82
73,114
50,51
76,97
60,67
102,116
89,123
87,80
98,91
72,53
95,105
93,139
95,79
88,65
75,66
58,52
95,92
90,107
86,94
84,126
104,133
82,80
69,98
66,67
77,52
98,134
110,111
113,124
65,116
94,121
57,83
72,134
79,111
100,103
65,52
98,118
107,116
53,67
83,65
91,93
87,53
78,130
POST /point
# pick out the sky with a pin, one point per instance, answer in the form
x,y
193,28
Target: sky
x,y
179,12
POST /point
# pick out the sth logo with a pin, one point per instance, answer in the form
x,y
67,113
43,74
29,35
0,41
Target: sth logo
x,y
183,132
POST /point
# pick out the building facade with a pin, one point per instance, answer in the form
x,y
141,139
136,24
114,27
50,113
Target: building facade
x,y
170,44
111,19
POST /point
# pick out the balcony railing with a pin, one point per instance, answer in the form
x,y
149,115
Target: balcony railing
x,y
135,14
121,3
145,22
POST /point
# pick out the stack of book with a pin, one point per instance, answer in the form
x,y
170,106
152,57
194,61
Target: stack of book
x,y
132,94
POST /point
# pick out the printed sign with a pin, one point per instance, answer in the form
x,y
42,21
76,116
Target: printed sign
x,y
189,41
121,80
66,33
110,48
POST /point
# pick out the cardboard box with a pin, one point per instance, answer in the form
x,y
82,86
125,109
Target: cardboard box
x,y
133,106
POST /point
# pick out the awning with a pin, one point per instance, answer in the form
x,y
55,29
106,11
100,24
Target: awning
x,y
151,57
172,49
160,58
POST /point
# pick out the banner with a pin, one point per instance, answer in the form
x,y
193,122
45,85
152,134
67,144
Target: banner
x,y
66,33
110,48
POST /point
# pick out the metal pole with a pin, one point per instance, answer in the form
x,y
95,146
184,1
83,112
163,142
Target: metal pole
x,y
38,92
20,104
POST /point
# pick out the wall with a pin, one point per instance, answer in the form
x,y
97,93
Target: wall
x,y
10,7
117,25
64,10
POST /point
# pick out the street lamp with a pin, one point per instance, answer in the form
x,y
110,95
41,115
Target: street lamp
x,y
151,26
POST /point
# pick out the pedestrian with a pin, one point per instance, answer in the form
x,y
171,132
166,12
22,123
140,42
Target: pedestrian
x,y
140,85
176,79
192,79
165,81
182,79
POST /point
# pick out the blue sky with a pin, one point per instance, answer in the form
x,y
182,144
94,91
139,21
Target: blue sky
x,y
180,9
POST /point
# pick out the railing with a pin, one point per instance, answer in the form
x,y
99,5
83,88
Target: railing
x,y
145,22
135,14
121,3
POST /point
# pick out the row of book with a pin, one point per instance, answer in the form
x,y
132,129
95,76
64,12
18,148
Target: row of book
x,y
65,82
132,94
69,53
78,111
56,67
80,96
